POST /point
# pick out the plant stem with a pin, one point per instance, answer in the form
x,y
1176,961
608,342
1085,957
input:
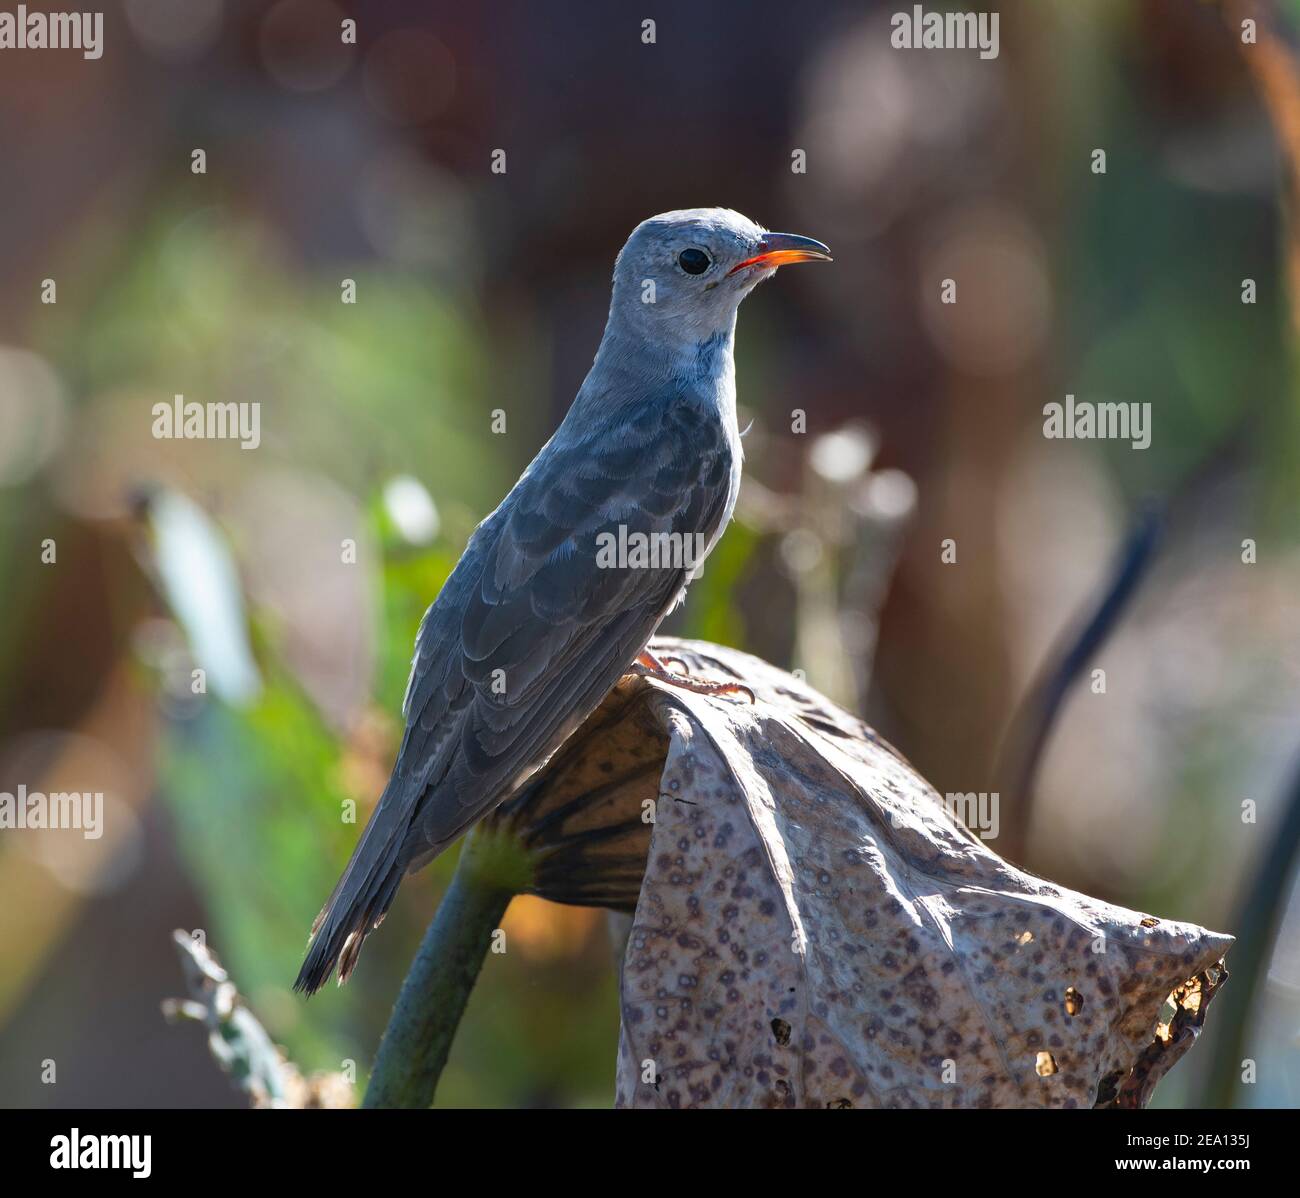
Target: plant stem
x,y
428,1010
1258,920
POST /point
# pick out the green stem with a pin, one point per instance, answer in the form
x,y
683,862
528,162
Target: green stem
x,y
428,1010
1258,921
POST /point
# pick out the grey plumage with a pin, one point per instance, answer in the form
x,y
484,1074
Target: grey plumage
x,y
531,630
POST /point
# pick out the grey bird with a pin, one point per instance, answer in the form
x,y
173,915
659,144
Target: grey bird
x,y
536,625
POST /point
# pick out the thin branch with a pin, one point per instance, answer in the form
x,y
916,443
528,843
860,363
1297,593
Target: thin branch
x,y
239,1043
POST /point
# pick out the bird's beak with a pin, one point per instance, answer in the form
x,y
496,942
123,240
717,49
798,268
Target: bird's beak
x,y
782,249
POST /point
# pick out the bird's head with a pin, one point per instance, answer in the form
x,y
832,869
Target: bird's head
x,y
682,274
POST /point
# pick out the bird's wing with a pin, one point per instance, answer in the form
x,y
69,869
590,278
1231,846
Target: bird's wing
x,y
551,625
529,634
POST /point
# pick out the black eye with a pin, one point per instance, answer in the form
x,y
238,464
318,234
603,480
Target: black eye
x,y
694,262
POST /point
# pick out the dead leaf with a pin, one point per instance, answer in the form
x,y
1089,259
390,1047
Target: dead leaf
x,y
812,928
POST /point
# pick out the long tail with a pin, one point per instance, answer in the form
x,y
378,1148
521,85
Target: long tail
x,y
361,899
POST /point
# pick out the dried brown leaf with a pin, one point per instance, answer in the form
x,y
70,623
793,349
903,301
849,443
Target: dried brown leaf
x,y
814,930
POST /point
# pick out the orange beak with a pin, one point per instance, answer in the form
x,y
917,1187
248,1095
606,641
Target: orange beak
x,y
784,249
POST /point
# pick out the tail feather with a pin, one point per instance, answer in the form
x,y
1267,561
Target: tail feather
x,y
359,901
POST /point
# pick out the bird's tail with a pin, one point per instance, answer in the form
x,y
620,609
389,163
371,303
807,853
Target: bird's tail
x,y
360,900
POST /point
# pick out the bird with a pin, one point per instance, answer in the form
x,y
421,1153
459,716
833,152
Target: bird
x,y
539,620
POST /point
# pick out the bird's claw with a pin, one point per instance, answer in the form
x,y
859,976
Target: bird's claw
x,y
649,666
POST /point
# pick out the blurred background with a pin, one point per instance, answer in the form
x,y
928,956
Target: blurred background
x,y
481,292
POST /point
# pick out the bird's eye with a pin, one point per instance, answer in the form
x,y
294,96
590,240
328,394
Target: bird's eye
x,y
694,262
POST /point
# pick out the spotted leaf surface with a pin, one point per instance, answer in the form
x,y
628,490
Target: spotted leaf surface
x,y
814,930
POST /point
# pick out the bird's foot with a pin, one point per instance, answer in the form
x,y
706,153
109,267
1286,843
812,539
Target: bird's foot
x,y
647,665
